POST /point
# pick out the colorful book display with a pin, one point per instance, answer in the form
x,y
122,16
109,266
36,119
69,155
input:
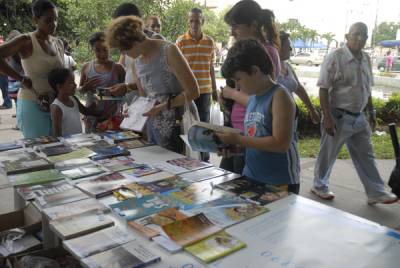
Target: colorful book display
x,y
36,177
25,162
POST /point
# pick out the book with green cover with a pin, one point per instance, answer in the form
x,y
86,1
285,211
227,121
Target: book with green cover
x,y
26,162
80,153
36,177
215,247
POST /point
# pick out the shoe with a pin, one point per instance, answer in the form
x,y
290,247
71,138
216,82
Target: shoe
x,y
5,107
386,198
322,193
16,127
14,116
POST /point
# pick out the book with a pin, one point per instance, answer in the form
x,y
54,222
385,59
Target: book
x,y
133,144
140,171
12,243
135,120
202,137
135,208
167,243
120,136
215,247
139,190
83,171
62,197
66,210
80,224
9,146
79,153
204,174
189,163
132,254
253,191
32,192
104,150
119,163
72,163
25,162
81,140
55,150
150,226
104,94
12,155
190,230
157,176
228,211
27,143
103,185
90,244
36,177
166,185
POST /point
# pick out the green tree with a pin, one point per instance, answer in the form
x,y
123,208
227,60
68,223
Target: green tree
x,y
329,37
215,25
385,31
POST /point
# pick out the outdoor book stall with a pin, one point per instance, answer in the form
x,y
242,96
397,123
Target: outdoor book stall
x,y
115,201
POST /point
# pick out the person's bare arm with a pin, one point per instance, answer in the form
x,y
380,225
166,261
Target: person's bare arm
x,y
283,113
236,95
56,119
329,123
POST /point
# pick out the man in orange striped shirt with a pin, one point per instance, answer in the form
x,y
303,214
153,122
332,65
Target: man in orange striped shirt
x,y
198,49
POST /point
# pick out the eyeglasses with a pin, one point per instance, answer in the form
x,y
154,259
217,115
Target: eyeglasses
x,y
361,36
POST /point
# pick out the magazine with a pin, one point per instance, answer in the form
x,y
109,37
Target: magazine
x,y
202,138
189,163
133,144
36,177
87,245
119,163
83,171
104,150
32,192
72,163
25,162
132,254
215,247
140,171
63,197
74,208
135,120
120,136
166,185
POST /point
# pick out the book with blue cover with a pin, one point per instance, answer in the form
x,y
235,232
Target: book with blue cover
x,y
105,150
9,146
135,208
120,136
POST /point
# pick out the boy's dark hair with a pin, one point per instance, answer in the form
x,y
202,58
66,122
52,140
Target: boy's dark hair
x,y
126,9
39,7
243,56
58,77
196,10
98,36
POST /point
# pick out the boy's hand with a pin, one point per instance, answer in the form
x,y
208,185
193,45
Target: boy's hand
x,y
229,138
154,111
90,84
119,89
227,92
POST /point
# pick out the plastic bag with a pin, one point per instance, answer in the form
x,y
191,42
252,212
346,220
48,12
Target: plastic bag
x,y
190,115
216,115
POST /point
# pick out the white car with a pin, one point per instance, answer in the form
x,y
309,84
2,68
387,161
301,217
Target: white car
x,y
307,58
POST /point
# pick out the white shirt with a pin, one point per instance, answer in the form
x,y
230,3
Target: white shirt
x,y
348,79
71,121
69,62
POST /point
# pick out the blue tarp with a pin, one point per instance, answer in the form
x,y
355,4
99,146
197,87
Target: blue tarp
x,y
300,44
390,43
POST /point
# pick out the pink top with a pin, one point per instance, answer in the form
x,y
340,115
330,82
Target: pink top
x,y
274,55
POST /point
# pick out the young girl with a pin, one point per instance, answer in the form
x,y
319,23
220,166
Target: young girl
x,y
66,108
102,72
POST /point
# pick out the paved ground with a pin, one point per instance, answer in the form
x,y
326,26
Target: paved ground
x,y
350,195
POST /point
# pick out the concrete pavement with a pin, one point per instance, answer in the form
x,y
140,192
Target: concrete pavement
x,y
350,195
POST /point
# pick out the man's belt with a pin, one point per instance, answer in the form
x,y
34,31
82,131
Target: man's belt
x,y
348,112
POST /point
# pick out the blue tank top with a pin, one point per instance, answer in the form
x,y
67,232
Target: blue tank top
x,y
262,166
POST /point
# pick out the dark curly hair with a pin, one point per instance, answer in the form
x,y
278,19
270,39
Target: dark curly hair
x,y
124,31
39,7
243,56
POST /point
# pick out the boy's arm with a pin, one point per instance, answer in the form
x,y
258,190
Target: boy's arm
x,y
91,110
56,119
283,114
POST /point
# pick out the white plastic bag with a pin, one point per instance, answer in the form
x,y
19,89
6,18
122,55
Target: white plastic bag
x,y
216,115
190,115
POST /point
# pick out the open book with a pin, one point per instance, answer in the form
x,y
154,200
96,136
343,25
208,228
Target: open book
x,y
202,137
135,120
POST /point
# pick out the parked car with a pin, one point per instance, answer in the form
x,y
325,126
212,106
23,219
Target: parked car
x,y
395,67
307,58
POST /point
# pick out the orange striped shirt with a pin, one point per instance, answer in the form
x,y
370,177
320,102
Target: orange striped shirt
x,y
200,56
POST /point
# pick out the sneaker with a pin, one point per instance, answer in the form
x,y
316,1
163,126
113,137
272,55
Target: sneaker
x,y
323,193
386,198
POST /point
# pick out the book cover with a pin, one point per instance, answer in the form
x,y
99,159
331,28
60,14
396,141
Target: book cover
x,y
253,191
135,208
72,163
81,140
189,163
202,137
120,136
190,230
90,244
17,245
215,247
150,226
157,176
133,144
25,162
83,171
228,211
139,190
166,185
132,254
204,174
38,141
36,177
135,120
80,224
79,153
103,185
106,150
56,150
74,208
9,146
32,192
140,171
63,197
119,163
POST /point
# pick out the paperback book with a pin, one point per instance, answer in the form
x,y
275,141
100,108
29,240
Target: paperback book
x,y
32,192
189,163
135,120
119,163
74,208
132,254
166,185
120,136
79,153
135,208
27,143
55,150
133,144
190,230
90,244
63,197
72,163
202,137
106,150
204,174
25,162
36,177
9,146
143,170
215,247
137,189
83,171
81,140
80,224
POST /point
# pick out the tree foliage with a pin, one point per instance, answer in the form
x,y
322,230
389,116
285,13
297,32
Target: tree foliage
x,y
385,31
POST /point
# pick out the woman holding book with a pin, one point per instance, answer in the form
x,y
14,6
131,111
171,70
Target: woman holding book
x,y
163,74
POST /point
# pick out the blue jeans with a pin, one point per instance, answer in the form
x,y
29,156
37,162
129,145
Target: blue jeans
x,y
203,104
4,90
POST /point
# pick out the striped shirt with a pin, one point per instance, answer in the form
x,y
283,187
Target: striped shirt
x,y
200,56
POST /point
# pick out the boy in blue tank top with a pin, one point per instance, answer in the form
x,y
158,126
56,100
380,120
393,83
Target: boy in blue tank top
x,y
269,138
